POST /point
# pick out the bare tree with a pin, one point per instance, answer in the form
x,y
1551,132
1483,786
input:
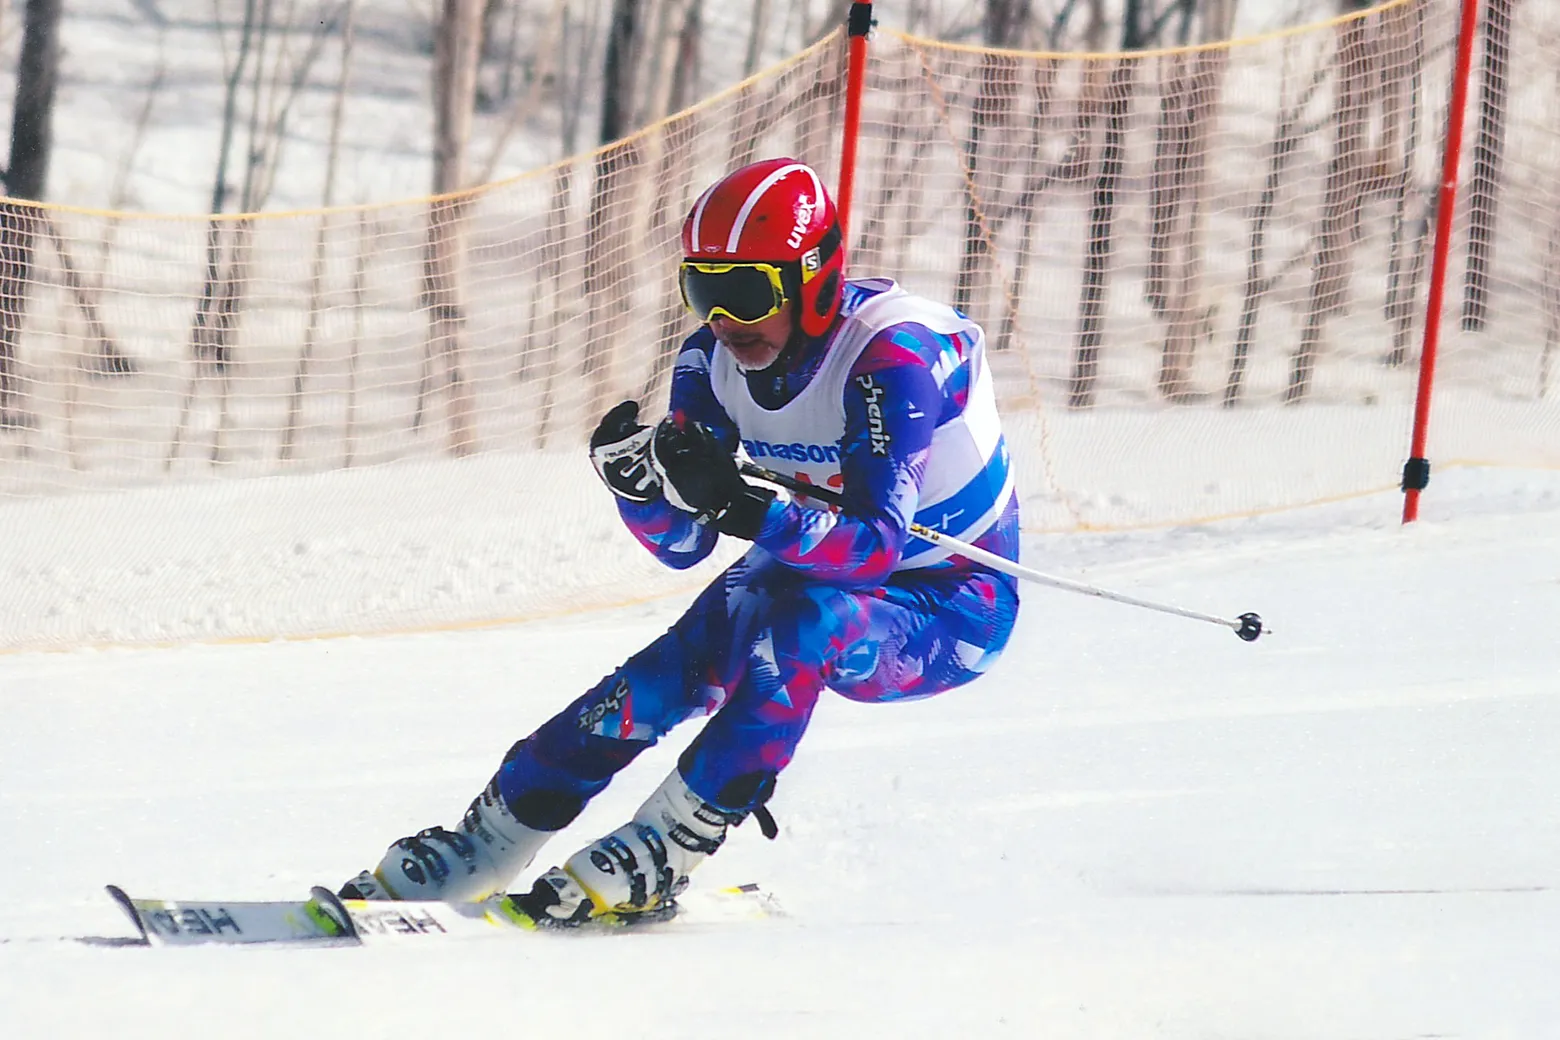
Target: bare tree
x,y
1402,90
1003,22
880,234
32,141
317,268
1287,137
1185,102
755,46
1184,311
456,50
209,329
549,44
109,360
32,115
1095,288
662,44
542,333
1549,294
1192,82
287,80
982,170
549,297
265,88
619,70
674,192
1137,17
609,224
1002,26
1038,177
1488,146
1094,35
1339,225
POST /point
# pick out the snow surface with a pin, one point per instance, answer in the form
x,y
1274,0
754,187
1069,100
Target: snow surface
x,y
1135,826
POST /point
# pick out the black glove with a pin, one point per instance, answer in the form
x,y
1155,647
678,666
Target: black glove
x,y
620,451
700,477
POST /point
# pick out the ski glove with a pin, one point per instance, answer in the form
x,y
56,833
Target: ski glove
x,y
700,477
620,451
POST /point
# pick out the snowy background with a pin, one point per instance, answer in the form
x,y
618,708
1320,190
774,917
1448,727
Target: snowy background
x,y
1136,826
165,62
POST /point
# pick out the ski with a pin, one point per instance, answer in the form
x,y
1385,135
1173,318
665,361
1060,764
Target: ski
x,y
324,919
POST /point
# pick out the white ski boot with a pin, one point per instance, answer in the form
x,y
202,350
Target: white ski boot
x,y
636,871
481,856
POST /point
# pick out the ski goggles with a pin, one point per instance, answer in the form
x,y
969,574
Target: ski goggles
x,y
747,293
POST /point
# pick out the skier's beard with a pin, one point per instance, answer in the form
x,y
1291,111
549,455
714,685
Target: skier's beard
x,y
755,353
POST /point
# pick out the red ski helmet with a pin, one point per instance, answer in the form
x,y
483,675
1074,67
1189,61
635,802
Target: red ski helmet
x,y
773,212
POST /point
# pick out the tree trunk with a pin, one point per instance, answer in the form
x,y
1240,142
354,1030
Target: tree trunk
x,y
618,72
208,334
1136,19
32,138
993,105
1096,261
1004,22
1185,311
454,94
1339,224
1287,137
254,155
608,251
755,44
542,334
1038,176
674,195
1549,294
454,91
32,120
1488,146
610,218
1172,134
1002,26
1402,86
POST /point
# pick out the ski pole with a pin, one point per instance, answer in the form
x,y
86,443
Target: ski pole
x,y
1247,626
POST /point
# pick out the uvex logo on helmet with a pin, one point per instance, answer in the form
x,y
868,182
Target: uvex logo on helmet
x,y
804,215
775,211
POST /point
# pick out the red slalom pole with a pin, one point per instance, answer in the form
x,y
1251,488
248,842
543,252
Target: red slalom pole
x,y
858,26
1416,471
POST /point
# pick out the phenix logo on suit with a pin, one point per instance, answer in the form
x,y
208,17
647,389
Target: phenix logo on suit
x,y
876,429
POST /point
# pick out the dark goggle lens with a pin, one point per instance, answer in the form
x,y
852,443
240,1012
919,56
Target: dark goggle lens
x,y
745,293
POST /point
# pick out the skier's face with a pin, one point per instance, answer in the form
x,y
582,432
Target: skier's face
x,y
758,345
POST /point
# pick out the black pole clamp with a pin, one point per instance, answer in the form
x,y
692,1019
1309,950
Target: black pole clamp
x,y
860,22
1416,474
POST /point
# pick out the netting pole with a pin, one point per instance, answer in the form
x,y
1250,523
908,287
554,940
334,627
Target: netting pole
x,y
1416,471
858,26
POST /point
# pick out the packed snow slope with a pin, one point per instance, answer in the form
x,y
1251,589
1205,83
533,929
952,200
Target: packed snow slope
x,y
1135,826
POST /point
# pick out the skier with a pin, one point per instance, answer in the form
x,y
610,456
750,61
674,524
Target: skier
x,y
858,386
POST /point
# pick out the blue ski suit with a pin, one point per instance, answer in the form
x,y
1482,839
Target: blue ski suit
x,y
893,407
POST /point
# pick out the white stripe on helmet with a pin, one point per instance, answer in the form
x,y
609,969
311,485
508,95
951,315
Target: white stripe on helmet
x,y
698,215
758,193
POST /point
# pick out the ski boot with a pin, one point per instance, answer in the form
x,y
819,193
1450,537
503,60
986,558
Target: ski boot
x,y
634,874
479,857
